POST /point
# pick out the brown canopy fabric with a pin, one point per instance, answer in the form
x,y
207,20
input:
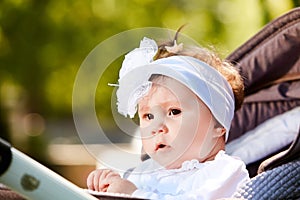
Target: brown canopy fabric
x,y
270,65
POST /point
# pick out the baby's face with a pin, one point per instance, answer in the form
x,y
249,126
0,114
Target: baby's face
x,y
175,124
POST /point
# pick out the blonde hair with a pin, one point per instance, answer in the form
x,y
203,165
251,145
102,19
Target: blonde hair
x,y
230,73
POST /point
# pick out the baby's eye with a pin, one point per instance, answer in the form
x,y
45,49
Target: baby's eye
x,y
174,112
148,116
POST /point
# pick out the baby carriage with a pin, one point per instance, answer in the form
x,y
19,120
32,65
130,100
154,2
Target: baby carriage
x,y
270,65
269,121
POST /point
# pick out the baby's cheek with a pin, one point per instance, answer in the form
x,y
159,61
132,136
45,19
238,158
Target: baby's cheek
x,y
148,145
145,131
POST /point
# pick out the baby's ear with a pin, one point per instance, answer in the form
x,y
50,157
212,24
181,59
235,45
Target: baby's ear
x,y
219,132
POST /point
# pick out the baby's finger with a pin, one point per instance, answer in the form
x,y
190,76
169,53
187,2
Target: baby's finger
x,y
112,174
90,181
97,180
104,173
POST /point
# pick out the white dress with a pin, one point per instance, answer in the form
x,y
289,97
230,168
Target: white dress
x,y
214,179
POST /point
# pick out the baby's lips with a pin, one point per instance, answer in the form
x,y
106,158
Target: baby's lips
x,y
160,146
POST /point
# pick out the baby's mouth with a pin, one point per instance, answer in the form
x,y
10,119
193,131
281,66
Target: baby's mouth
x,y
161,146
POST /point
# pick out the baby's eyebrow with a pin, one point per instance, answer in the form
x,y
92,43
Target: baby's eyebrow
x,y
167,104
172,103
143,108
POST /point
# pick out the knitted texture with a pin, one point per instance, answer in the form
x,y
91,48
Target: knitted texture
x,y
282,182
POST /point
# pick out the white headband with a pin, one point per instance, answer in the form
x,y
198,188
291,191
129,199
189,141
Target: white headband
x,y
206,82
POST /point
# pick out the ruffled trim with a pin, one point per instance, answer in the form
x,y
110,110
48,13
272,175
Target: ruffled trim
x,y
135,97
195,164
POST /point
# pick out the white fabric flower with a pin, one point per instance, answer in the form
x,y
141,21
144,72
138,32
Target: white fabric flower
x,y
139,56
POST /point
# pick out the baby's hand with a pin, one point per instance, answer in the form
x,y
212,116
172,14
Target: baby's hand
x,y
100,179
105,180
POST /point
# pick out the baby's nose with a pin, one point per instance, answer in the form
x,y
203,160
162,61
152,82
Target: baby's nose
x,y
159,124
160,128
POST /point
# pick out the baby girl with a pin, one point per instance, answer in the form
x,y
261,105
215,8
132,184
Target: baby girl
x,y
185,98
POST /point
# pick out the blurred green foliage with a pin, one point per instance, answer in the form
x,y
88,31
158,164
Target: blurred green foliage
x,y
44,42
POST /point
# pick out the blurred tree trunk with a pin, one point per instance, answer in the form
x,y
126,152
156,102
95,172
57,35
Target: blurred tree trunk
x,y
296,3
4,133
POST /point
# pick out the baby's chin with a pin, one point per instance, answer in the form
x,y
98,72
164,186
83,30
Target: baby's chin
x,y
170,164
